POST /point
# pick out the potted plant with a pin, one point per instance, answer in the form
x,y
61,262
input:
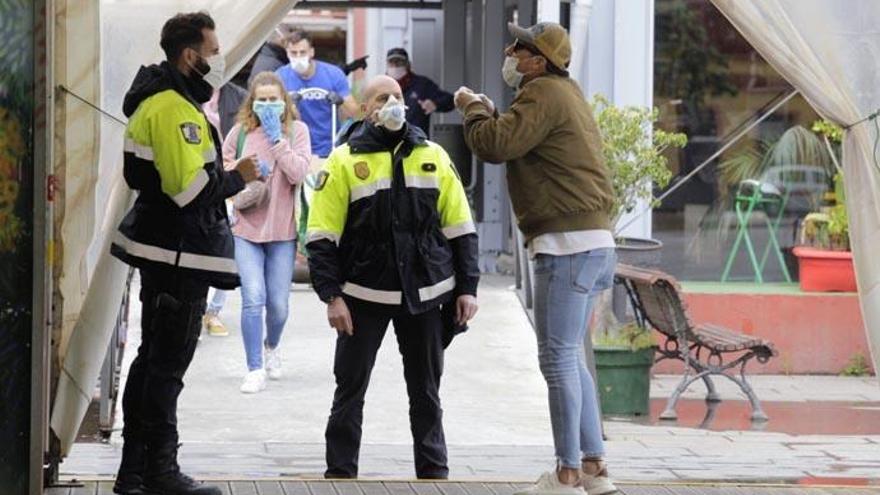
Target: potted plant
x,y
624,356
634,152
824,258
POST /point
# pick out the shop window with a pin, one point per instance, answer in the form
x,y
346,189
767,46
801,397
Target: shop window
x,y
710,84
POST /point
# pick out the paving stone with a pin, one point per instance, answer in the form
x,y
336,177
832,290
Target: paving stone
x,y
496,413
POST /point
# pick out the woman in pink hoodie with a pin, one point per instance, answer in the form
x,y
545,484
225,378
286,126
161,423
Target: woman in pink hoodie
x,y
264,229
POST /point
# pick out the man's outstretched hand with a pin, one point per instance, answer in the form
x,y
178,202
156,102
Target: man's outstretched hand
x,y
464,97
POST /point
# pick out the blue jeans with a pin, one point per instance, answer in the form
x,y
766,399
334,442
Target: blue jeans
x,y
565,290
266,270
217,301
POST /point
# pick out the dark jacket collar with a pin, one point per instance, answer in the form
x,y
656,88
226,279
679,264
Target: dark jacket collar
x,y
154,79
364,138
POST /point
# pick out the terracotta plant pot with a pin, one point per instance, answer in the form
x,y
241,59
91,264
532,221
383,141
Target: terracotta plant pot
x,y
825,271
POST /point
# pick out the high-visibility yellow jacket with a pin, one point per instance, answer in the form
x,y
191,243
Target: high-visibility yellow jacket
x,y
391,226
172,159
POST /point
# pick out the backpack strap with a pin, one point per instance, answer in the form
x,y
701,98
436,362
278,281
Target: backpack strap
x,y
239,146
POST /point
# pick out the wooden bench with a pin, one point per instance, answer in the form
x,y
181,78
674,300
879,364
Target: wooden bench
x,y
656,300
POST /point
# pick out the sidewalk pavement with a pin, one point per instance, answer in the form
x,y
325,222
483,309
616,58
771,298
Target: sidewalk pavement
x,y
496,418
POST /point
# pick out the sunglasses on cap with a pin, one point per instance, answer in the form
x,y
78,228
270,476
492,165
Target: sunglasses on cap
x,y
521,45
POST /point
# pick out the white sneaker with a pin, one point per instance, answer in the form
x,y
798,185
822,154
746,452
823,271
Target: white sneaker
x,y
549,484
254,381
598,483
273,362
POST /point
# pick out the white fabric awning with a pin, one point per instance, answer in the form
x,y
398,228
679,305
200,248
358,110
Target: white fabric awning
x,y
99,48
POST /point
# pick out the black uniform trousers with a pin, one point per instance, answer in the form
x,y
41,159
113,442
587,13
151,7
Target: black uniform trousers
x,y
420,341
173,306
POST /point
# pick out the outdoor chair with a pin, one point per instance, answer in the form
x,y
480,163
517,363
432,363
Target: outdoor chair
x,y
656,301
753,196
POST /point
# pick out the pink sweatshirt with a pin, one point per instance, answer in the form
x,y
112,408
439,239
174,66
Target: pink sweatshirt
x,y
274,220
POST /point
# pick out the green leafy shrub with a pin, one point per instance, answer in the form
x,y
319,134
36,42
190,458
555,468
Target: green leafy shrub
x,y
633,150
857,366
630,335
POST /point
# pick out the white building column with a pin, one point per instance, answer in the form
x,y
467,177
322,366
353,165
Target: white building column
x,y
548,10
620,65
386,29
580,23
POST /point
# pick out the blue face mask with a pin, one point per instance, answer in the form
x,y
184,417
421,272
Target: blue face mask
x,y
266,110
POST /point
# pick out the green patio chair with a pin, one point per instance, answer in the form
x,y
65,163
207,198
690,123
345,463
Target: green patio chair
x,y
751,196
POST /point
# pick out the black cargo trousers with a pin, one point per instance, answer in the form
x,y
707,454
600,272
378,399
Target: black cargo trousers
x,y
420,342
171,319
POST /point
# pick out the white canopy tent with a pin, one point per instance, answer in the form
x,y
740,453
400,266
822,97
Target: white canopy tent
x,y
99,47
830,51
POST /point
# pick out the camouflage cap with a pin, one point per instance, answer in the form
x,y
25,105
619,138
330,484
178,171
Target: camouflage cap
x,y
549,38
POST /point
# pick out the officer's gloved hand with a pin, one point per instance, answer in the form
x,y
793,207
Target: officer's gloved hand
x,y
264,167
360,63
334,98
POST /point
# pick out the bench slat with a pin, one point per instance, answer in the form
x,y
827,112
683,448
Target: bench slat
x,y
727,340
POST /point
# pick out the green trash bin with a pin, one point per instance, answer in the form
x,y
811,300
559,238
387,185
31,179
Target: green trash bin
x,y
624,380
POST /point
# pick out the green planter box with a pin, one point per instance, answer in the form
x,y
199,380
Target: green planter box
x,y
624,380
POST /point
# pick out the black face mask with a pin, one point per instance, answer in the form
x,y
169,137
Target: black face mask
x,y
195,83
202,67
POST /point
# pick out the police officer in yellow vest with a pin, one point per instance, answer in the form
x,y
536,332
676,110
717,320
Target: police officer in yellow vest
x,y
178,235
391,239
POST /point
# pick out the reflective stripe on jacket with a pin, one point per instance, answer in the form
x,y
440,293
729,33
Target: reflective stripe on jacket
x,y
392,227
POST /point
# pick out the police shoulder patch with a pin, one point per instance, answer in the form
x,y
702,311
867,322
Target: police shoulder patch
x,y
191,132
321,180
429,167
361,170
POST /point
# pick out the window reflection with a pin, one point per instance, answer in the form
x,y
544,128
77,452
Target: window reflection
x,y
711,84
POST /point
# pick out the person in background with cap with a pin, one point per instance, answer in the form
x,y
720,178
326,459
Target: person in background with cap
x,y
561,192
422,95
303,72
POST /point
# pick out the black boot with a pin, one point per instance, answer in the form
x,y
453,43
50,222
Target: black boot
x,y
131,469
163,476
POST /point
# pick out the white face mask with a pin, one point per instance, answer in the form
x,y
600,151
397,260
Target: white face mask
x,y
216,71
396,72
392,115
511,76
300,64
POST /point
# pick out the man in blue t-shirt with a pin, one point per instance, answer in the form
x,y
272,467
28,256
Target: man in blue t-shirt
x,y
304,72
